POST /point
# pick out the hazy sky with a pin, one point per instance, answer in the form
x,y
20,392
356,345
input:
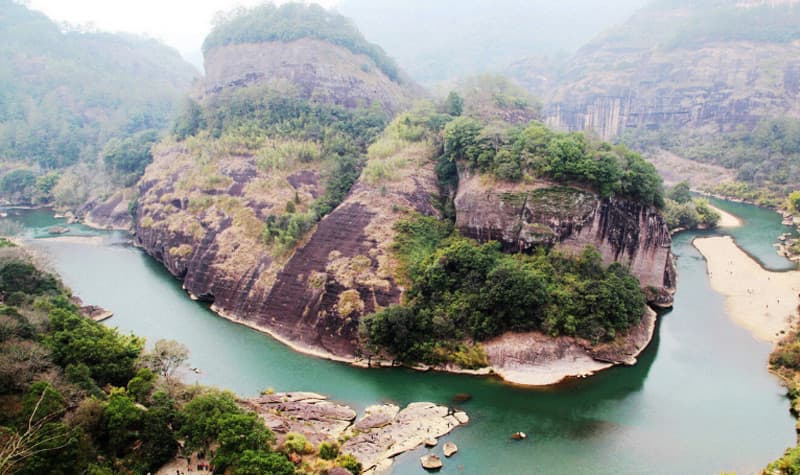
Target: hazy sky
x,y
182,24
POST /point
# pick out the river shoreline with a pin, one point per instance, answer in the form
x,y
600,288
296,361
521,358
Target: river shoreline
x,y
763,302
727,220
573,365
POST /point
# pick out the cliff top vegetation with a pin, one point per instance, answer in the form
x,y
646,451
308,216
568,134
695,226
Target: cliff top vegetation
x,y
293,21
80,397
516,153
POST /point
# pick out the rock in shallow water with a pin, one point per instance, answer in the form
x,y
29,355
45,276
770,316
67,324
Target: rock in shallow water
x,y
381,433
431,462
449,449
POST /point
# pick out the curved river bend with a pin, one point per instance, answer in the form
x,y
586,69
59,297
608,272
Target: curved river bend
x,y
700,401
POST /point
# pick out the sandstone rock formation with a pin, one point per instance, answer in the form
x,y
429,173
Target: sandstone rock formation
x,y
110,213
379,435
671,67
203,205
210,237
523,216
322,71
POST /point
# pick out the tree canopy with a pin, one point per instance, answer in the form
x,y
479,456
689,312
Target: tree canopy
x,y
462,291
511,152
293,21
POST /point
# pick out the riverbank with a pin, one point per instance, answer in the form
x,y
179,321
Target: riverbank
x,y
726,220
763,302
519,359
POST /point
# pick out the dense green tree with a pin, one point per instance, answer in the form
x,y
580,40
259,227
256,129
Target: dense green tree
x,y
461,139
122,420
511,153
141,385
328,450
794,201
109,355
350,463
18,185
201,418
680,193
238,433
463,291
189,121
127,158
95,86
259,462
18,276
159,444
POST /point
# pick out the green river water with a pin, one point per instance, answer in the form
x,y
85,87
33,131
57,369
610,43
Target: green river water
x,y
700,401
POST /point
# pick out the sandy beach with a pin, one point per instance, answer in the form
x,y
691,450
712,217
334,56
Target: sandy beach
x,y
78,239
763,302
726,219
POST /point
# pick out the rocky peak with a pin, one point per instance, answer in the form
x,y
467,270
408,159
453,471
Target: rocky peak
x,y
318,69
318,52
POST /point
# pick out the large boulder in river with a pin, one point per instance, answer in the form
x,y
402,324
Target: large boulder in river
x,y
431,462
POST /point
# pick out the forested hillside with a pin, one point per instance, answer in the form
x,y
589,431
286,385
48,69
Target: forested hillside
x,y
79,397
713,81
68,96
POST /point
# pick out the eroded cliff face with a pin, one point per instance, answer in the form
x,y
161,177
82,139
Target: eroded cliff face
x,y
322,71
701,66
203,204
206,226
526,215
718,87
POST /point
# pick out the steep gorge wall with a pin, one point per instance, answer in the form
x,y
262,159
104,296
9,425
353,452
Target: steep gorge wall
x,y
717,87
523,216
210,238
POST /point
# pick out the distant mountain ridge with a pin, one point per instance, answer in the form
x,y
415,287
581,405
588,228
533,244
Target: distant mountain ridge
x,y
705,79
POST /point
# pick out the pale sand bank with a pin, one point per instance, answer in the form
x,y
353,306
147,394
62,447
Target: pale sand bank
x,y
574,362
77,239
763,302
726,219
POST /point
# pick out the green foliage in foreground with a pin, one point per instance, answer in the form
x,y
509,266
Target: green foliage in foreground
x,y
294,21
75,402
463,291
511,153
693,214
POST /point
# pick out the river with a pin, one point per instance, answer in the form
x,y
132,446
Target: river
x,y
700,401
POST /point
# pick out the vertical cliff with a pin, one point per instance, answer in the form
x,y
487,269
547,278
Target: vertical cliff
x,y
709,66
525,216
206,227
320,70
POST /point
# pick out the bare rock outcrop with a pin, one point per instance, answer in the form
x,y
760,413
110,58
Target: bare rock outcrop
x,y
536,359
524,216
379,435
677,67
113,212
206,227
321,70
